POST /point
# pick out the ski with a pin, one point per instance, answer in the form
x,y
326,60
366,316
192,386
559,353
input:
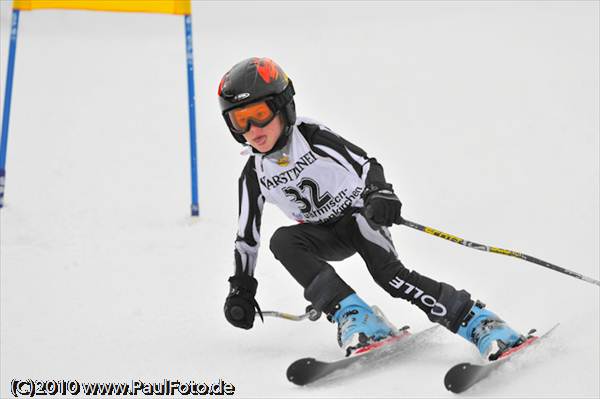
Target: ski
x,y
464,375
308,370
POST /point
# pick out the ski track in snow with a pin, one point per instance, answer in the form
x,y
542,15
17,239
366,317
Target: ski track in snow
x,y
485,118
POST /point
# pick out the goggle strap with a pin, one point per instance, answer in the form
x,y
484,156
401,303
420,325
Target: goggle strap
x,y
284,97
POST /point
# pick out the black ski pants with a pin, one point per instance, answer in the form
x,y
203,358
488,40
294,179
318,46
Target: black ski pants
x,y
304,250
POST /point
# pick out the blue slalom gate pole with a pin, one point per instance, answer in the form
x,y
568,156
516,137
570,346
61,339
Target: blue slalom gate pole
x,y
192,112
14,29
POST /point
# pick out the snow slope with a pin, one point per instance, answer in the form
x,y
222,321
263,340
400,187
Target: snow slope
x,y
484,115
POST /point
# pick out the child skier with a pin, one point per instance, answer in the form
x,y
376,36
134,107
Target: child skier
x,y
342,203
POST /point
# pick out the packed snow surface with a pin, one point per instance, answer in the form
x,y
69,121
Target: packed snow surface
x,y
485,116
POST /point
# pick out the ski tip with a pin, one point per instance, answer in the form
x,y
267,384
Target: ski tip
x,y
464,375
297,370
452,380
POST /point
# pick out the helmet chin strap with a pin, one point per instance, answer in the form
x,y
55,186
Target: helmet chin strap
x,y
282,141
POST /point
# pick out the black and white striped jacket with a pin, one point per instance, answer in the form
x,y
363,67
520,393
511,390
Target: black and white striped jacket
x,y
314,178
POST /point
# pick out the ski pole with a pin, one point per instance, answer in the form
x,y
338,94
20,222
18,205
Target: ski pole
x,y
496,250
311,314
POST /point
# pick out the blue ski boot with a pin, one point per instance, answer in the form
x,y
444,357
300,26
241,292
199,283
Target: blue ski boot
x,y
488,332
359,325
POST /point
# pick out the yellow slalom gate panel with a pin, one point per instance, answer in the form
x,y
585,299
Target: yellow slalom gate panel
x,y
179,7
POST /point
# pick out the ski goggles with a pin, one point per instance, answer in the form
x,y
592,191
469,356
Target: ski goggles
x,y
258,114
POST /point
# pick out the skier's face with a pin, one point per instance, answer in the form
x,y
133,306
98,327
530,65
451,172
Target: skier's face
x,y
264,138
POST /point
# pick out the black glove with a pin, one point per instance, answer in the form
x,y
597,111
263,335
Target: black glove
x,y
381,206
240,305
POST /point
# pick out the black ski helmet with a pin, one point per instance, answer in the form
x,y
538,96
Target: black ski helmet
x,y
257,79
